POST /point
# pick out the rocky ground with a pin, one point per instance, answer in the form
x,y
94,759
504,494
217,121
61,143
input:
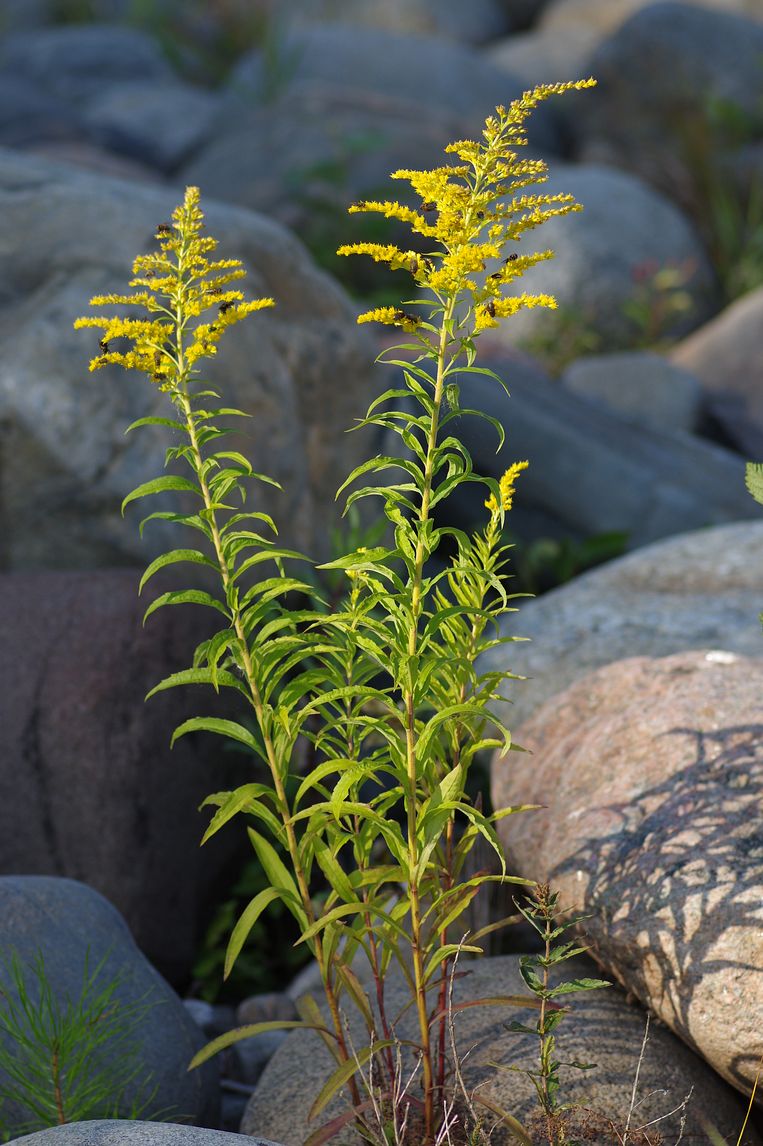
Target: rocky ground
x,y
637,403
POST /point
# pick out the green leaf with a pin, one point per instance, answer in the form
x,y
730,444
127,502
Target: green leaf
x,y
753,479
153,421
246,922
334,872
200,676
247,1032
161,485
186,597
574,985
344,1073
172,558
227,728
278,875
445,952
234,802
509,1120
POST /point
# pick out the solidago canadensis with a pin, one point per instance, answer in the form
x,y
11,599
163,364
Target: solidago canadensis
x,y
385,685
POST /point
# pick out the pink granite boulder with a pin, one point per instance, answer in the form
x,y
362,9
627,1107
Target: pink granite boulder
x,y
651,773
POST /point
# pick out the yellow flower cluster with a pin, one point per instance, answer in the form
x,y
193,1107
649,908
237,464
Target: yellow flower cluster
x,y
180,284
473,210
506,484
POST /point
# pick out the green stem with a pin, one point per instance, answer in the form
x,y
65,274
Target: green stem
x,y
410,733
181,391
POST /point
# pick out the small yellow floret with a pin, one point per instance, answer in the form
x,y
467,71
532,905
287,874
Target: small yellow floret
x,y
506,484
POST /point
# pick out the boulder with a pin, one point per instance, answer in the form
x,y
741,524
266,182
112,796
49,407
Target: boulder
x,y
349,105
71,926
539,56
601,1028
29,117
642,386
727,357
384,68
696,590
592,471
77,62
651,776
159,123
481,21
600,255
86,765
658,74
304,370
564,16
115,1132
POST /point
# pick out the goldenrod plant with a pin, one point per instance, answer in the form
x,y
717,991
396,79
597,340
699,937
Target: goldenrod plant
x,y
68,1060
384,684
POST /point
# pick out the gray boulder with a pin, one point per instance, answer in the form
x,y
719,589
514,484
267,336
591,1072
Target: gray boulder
x,y
304,371
76,62
85,763
625,228
641,386
601,1028
726,356
350,105
650,776
120,1133
698,590
480,21
160,123
378,66
564,16
592,471
657,74
539,56
29,116
68,923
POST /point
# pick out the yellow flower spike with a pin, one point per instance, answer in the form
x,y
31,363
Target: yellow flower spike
x,y
473,209
506,484
180,283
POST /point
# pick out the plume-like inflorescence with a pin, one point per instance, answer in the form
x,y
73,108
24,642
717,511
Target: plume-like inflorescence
x,y
472,211
178,286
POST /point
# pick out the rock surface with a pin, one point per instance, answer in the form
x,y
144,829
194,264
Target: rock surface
x,y
600,1028
121,1133
160,123
68,922
593,289
353,103
564,16
480,21
86,765
416,71
658,73
697,590
642,386
303,371
651,773
726,355
591,471
77,62
539,56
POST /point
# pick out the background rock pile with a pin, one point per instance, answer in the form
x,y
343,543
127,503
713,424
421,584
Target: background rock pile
x,y
636,403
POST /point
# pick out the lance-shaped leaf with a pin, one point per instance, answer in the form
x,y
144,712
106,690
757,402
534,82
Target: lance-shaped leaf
x,y
161,485
344,1073
248,1032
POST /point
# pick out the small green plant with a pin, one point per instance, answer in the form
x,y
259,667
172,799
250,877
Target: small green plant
x,y
754,481
658,297
542,911
52,1064
384,685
